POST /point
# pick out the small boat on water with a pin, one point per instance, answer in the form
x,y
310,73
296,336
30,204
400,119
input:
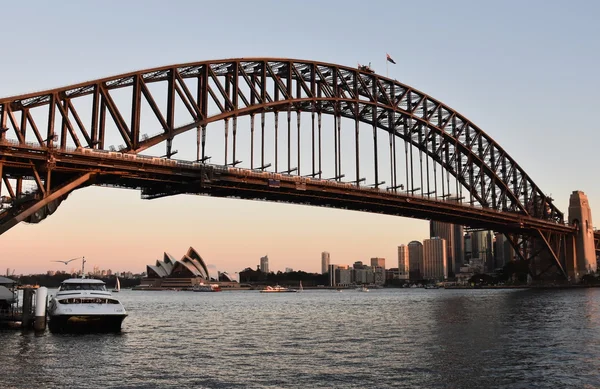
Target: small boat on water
x,y
117,288
363,289
277,289
300,289
431,286
206,288
84,305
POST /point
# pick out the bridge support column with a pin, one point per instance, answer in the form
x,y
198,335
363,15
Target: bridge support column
x,y
571,259
580,215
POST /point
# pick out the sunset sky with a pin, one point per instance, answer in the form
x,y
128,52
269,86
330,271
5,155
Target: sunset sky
x,y
524,72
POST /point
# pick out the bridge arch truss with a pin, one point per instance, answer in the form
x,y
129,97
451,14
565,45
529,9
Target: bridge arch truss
x,y
190,97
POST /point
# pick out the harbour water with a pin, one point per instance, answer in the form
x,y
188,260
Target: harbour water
x,y
390,338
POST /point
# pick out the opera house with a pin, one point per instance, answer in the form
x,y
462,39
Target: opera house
x,y
182,274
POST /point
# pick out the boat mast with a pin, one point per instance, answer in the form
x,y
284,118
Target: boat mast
x,y
83,267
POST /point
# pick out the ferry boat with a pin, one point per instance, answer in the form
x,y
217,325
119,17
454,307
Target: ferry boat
x,y
206,288
277,289
84,305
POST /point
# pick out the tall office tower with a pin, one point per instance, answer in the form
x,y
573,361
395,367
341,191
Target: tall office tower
x,y
434,259
415,260
453,235
468,247
264,264
324,262
459,248
481,242
331,269
378,262
403,262
502,252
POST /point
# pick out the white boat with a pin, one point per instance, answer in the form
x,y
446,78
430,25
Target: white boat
x,y
300,289
277,289
206,288
84,305
117,288
363,289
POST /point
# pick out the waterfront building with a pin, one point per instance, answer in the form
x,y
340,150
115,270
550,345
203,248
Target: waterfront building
x,y
482,248
403,262
453,235
344,276
503,251
364,275
325,259
434,259
378,275
392,274
289,270
415,260
378,262
468,247
264,264
190,270
332,279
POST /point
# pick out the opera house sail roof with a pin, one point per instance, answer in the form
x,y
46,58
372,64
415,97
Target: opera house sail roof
x,y
190,265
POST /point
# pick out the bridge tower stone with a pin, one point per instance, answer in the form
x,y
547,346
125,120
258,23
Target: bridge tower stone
x,y
580,215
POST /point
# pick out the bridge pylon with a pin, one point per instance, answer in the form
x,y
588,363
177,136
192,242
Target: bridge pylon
x,y
582,250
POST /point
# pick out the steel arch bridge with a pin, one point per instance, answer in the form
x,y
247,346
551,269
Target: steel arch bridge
x,y
355,124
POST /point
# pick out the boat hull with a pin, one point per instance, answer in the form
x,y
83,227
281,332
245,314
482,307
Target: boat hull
x,y
85,323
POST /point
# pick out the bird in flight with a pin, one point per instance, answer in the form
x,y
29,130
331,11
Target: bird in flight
x,y
66,262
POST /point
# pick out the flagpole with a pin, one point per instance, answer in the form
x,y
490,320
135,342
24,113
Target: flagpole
x,y
387,65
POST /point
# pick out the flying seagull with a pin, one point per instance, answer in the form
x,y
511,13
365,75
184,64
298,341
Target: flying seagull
x,y
66,262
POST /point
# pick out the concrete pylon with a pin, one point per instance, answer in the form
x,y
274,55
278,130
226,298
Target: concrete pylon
x,y
580,215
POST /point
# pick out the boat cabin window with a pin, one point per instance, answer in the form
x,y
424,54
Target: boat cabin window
x,y
88,301
82,287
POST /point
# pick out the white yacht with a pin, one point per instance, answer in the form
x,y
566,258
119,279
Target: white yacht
x,y
277,289
206,288
84,305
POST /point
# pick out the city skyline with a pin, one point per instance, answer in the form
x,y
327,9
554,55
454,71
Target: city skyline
x,y
114,228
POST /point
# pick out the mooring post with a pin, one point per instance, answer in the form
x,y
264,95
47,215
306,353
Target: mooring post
x,y
26,318
41,296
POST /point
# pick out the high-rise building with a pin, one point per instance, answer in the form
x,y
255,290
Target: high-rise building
x,y
264,264
455,249
459,247
403,262
378,262
434,259
503,251
415,260
468,247
331,269
324,262
482,248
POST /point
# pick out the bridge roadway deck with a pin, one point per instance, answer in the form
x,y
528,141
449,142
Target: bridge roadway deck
x,y
158,177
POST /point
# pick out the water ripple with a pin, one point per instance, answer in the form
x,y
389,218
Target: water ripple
x,y
322,339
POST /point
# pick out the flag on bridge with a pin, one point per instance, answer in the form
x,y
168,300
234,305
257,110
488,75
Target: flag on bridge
x,y
389,59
